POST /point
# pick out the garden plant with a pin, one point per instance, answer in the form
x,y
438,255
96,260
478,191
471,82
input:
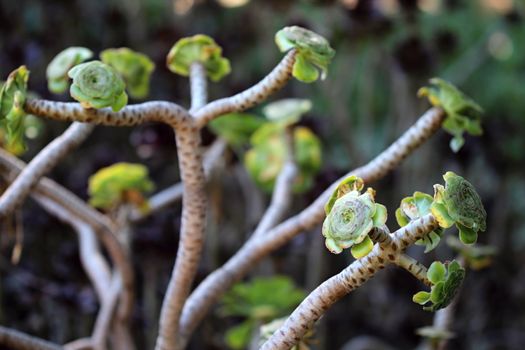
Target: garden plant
x,y
283,158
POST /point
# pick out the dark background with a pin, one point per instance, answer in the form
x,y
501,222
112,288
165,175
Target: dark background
x,y
386,50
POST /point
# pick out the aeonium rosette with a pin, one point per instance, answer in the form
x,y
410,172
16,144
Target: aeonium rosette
x,y
351,215
97,85
458,203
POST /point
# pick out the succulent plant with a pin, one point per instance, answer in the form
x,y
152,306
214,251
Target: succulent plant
x,y
313,52
198,48
56,72
463,114
459,203
350,217
413,208
267,156
134,67
236,128
287,111
119,183
258,301
13,94
97,85
446,281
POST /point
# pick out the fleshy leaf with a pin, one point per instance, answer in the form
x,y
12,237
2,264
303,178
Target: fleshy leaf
x,y
236,128
119,183
380,215
463,114
13,94
287,111
266,158
351,183
198,48
444,286
313,52
134,67
362,249
239,336
97,85
56,72
401,218
436,272
467,235
421,298
441,214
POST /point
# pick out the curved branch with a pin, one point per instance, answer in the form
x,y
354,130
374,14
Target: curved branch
x,y
41,164
191,239
154,111
16,340
274,81
416,269
352,277
214,286
48,191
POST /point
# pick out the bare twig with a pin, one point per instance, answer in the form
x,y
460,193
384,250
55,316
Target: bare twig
x,y
282,192
65,205
154,111
413,266
16,340
352,277
198,86
274,81
214,286
42,163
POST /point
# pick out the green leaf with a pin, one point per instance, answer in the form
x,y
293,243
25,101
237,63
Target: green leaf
x,y
421,298
423,202
401,218
314,53
349,184
287,111
198,48
134,67
304,71
439,211
467,235
97,85
463,114
380,215
362,249
436,272
119,183
13,94
238,337
236,128
263,299
56,72
438,292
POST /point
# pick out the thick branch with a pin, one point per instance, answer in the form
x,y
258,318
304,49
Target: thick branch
x,y
154,111
274,81
355,275
172,194
191,236
41,164
13,339
214,286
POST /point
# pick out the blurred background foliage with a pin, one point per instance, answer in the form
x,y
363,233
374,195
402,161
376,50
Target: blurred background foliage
x,y
386,50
